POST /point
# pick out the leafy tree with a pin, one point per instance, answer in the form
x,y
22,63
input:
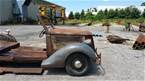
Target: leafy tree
x,y
88,10
88,15
143,4
37,1
100,15
143,14
121,13
128,12
95,9
71,15
82,15
116,13
132,12
77,15
111,13
135,13
106,13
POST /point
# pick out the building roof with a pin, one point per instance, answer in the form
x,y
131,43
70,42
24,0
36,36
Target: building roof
x,y
27,2
47,2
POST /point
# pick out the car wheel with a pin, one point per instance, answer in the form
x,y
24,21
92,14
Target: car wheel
x,y
77,64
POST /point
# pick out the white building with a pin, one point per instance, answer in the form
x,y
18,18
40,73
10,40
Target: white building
x,y
24,10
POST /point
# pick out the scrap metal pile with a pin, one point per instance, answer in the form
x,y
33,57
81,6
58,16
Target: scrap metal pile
x,y
139,43
17,59
116,39
7,37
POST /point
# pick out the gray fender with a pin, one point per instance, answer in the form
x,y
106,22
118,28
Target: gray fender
x,y
58,58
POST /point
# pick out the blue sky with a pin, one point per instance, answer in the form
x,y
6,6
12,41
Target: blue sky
x,y
78,5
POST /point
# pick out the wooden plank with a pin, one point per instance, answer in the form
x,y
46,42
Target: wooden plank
x,y
21,70
24,54
29,54
6,58
1,70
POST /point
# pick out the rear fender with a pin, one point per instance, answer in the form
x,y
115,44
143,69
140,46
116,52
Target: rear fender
x,y
58,58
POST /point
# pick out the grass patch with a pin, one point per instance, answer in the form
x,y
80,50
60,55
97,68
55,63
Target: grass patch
x,y
117,21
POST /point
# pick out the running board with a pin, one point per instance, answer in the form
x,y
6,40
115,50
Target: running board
x,y
21,70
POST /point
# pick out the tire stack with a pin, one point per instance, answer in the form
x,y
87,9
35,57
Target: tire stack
x,y
139,43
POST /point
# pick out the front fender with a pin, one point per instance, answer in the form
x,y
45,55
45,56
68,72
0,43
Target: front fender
x,y
58,58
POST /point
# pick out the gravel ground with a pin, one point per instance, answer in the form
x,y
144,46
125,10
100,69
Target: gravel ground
x,y
119,61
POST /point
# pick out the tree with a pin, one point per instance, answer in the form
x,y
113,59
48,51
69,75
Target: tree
x,y
106,13
121,13
88,10
143,4
71,15
37,1
143,14
77,15
95,9
100,15
128,12
132,12
89,15
135,13
116,13
111,13
82,15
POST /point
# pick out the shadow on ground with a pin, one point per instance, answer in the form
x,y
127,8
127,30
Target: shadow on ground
x,y
94,70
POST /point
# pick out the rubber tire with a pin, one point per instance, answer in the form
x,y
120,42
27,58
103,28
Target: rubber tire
x,y
9,38
70,70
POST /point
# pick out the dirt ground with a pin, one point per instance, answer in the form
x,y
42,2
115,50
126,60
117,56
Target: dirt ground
x,y
119,61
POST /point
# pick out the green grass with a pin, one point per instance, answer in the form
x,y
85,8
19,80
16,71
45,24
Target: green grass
x,y
117,21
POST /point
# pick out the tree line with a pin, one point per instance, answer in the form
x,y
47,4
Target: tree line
x,y
125,13
143,4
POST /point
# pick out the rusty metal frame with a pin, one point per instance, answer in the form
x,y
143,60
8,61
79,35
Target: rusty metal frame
x,y
15,53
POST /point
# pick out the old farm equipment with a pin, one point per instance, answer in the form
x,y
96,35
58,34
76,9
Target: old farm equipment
x,y
140,42
142,27
52,13
6,36
116,39
71,49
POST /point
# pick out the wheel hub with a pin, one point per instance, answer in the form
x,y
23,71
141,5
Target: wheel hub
x,y
77,64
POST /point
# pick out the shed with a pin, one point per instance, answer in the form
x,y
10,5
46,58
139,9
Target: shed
x,y
31,9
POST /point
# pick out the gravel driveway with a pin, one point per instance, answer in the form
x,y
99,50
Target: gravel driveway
x,y
119,61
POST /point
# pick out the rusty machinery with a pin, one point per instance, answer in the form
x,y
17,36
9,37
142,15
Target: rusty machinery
x,y
71,49
142,27
48,13
140,42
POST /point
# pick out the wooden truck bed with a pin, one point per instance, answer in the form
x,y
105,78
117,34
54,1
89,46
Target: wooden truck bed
x,y
20,59
7,46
